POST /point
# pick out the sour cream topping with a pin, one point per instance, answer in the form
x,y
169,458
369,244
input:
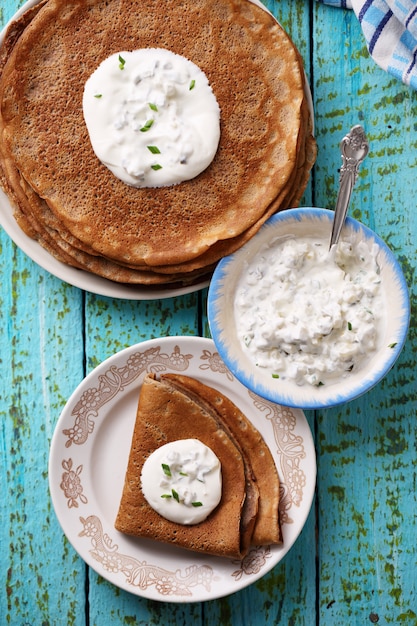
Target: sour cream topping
x,y
182,481
307,315
152,117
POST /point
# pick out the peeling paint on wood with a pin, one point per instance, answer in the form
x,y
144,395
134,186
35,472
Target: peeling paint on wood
x,y
356,558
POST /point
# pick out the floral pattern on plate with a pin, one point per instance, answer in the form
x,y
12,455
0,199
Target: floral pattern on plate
x,y
88,461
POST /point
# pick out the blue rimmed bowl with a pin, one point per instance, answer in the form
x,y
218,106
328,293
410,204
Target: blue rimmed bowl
x,y
307,222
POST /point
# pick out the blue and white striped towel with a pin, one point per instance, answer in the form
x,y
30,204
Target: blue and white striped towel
x,y
390,29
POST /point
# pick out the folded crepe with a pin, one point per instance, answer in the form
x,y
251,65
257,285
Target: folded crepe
x,y
178,407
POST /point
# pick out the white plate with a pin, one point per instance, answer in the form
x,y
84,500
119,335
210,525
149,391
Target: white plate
x,y
81,278
88,460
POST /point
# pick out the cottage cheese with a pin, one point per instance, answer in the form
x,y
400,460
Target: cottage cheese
x,y
308,315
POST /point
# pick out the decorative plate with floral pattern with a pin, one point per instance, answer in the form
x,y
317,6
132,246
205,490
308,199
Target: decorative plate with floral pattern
x,y
88,460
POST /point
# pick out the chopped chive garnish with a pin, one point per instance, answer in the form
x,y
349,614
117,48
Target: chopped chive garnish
x,y
166,468
156,167
154,149
183,474
152,106
392,345
175,495
147,126
349,326
275,375
192,84
98,95
166,495
197,503
121,62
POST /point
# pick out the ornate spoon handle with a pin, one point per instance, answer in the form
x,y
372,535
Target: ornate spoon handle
x,y
354,147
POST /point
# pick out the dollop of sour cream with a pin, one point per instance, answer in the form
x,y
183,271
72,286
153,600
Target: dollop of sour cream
x,y
307,315
182,481
152,117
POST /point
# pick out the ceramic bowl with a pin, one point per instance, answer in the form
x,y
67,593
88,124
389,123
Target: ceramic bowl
x,y
317,223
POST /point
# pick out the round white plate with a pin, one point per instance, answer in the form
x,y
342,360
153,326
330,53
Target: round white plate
x,y
88,461
78,277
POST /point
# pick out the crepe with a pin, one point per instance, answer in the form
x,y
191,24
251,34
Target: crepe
x,y
257,454
165,415
74,206
178,407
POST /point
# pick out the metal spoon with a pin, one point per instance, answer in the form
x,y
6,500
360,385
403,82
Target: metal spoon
x,y
354,147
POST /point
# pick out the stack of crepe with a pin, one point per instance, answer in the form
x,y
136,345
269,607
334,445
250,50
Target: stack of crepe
x,y
67,200
179,407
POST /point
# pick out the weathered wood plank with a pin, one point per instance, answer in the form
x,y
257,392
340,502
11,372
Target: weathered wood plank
x,y
7,9
40,577
367,463
112,325
51,335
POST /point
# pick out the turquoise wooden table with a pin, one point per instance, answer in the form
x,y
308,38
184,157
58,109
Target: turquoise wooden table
x,y
355,561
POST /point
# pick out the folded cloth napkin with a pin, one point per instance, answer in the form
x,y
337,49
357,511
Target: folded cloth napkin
x,y
390,29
